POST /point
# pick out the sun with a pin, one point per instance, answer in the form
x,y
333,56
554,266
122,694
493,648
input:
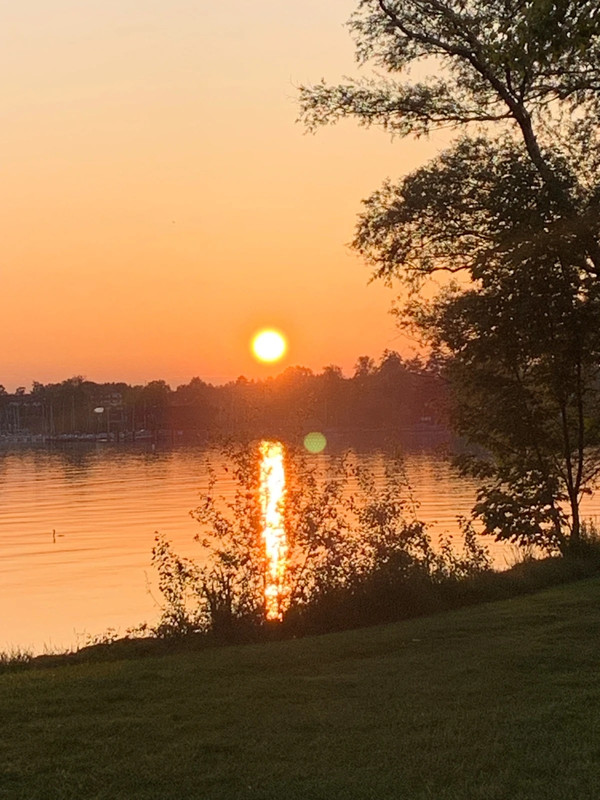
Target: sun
x,y
269,345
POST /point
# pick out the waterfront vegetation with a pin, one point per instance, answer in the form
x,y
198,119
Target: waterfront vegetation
x,y
495,701
355,552
389,394
356,555
406,600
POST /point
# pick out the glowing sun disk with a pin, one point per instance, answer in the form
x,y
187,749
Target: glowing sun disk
x,y
269,345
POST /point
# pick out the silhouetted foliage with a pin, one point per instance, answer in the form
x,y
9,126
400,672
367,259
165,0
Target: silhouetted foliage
x,y
531,67
393,394
520,345
357,554
517,213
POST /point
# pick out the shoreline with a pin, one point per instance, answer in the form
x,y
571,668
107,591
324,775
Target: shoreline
x,y
526,578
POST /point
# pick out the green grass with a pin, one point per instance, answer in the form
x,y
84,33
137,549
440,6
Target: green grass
x,y
494,702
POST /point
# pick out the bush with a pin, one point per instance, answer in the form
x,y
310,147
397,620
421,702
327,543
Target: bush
x,y
357,554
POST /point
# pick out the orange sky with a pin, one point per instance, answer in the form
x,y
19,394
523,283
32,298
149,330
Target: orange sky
x,y
159,203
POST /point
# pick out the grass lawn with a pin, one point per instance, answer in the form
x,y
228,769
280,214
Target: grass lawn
x,y
497,702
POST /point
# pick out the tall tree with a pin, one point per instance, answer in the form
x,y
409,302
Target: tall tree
x,y
517,213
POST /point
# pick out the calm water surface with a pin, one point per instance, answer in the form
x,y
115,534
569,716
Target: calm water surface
x,y
105,505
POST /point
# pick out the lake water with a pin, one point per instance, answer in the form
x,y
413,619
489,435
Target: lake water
x,y
104,504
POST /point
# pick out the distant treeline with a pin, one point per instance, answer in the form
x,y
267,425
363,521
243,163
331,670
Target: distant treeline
x,y
391,394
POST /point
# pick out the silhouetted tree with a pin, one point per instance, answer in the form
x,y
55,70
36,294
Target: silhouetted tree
x,y
295,401
523,363
518,214
364,367
521,342
155,399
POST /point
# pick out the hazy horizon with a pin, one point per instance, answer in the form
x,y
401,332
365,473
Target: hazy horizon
x,y
273,371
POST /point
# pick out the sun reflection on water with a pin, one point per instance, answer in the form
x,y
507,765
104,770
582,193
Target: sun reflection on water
x,y
272,498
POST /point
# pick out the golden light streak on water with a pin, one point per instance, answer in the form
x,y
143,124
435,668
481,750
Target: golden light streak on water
x,y
272,498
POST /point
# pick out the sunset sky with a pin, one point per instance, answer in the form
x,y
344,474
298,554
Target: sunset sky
x,y
159,202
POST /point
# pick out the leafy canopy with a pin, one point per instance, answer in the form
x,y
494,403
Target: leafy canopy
x,y
515,210
532,65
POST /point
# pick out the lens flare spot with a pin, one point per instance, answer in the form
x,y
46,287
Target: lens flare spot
x,y
315,442
269,345
272,499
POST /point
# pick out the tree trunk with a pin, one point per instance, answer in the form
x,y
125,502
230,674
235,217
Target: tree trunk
x,y
575,537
